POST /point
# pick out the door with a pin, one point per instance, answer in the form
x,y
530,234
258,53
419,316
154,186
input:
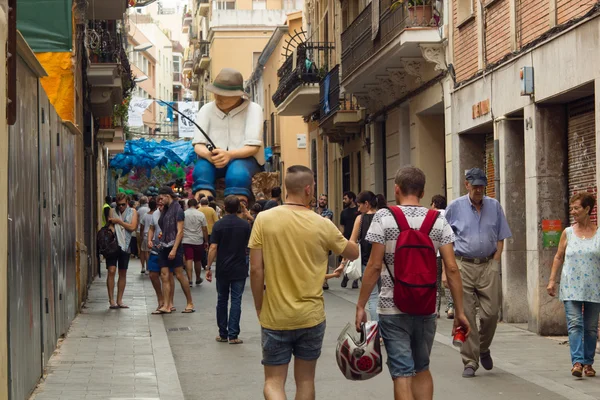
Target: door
x,y
582,148
45,193
24,276
58,245
490,171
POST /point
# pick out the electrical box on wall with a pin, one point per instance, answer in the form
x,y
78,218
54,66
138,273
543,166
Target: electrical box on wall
x,y
526,75
301,140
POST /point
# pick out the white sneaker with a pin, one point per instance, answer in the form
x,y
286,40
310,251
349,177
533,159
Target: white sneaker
x,y
450,313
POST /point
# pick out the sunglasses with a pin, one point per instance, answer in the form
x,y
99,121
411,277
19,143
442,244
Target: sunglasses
x,y
122,204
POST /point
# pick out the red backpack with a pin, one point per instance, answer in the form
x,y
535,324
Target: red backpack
x,y
415,266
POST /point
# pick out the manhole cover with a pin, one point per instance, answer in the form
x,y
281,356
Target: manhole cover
x,y
184,328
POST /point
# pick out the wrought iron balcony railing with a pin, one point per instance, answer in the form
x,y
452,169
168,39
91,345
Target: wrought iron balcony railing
x,y
331,101
309,66
358,44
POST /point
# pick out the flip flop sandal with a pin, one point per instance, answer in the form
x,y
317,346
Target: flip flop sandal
x,y
122,306
164,312
156,312
115,307
236,341
221,340
173,309
188,311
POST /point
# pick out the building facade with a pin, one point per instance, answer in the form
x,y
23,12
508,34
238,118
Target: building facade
x,y
66,73
525,105
285,136
451,85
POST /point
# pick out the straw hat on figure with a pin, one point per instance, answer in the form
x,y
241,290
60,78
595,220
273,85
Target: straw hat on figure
x,y
234,124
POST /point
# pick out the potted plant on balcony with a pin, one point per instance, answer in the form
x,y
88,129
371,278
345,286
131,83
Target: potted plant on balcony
x,y
420,12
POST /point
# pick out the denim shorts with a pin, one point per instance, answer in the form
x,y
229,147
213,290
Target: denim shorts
x,y
305,344
408,341
153,263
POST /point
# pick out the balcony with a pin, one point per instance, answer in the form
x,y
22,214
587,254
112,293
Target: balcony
x,y
188,62
299,76
194,83
177,79
106,10
110,130
387,61
202,57
108,72
340,115
186,22
203,7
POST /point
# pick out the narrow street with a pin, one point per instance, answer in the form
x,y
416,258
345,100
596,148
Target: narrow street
x,y
128,353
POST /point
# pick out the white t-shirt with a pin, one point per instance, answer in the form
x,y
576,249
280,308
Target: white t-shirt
x,y
142,211
242,126
147,221
384,230
192,226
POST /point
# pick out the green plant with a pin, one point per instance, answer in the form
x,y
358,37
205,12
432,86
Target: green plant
x,y
121,112
409,3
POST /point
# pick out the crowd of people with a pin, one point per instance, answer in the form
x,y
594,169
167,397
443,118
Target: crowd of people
x,y
285,245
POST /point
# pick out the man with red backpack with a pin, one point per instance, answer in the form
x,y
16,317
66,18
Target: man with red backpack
x,y
405,240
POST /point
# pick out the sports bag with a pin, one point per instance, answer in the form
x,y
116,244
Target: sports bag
x,y
415,268
106,243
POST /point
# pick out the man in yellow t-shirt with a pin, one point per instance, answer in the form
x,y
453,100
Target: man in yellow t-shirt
x,y
289,249
209,213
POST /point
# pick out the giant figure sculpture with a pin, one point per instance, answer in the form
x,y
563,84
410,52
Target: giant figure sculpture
x,y
234,124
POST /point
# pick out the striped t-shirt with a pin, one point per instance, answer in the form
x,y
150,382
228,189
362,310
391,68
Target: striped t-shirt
x,y
384,230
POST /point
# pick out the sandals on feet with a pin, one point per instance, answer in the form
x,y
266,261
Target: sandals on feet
x,y
122,306
577,370
589,371
220,339
114,307
188,311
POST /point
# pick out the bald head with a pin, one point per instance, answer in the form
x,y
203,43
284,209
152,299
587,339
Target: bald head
x,y
298,178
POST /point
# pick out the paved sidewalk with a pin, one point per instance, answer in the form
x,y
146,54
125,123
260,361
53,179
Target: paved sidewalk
x,y
114,354
541,361
130,354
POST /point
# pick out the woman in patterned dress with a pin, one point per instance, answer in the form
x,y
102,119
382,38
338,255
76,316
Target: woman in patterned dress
x,y
579,255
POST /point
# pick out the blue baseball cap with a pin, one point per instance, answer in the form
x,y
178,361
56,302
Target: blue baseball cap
x,y
476,177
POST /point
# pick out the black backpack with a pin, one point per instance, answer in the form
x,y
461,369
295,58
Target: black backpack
x,y
106,243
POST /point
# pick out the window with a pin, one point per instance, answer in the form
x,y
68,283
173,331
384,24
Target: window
x,y
158,57
259,4
313,160
293,4
346,175
176,64
255,57
224,5
465,10
359,171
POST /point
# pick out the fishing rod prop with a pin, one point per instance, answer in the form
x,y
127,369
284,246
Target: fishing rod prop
x,y
210,145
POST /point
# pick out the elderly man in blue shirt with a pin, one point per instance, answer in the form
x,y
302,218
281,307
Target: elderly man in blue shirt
x,y
480,228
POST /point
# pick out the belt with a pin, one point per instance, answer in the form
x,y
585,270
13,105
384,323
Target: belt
x,y
480,260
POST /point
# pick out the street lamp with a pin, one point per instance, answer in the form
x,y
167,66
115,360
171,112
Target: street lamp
x,y
143,47
139,79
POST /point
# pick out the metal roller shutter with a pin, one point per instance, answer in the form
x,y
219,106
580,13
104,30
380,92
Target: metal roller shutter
x,y
582,148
